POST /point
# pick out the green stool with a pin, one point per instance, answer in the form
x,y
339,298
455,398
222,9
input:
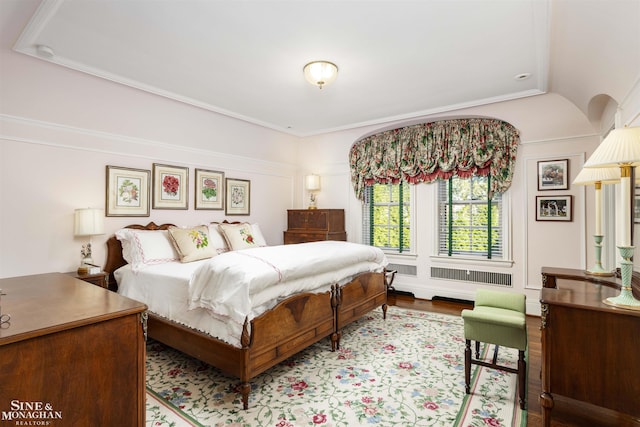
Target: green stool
x,y
497,318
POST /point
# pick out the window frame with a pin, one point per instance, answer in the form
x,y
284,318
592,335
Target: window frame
x,y
412,234
467,259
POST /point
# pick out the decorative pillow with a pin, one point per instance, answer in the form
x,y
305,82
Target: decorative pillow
x,y
192,243
240,236
216,239
146,247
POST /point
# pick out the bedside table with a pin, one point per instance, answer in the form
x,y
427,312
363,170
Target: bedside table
x,y
99,279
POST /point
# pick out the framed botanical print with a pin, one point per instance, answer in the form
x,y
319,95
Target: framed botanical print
x,y
553,175
209,189
554,208
170,187
237,196
127,192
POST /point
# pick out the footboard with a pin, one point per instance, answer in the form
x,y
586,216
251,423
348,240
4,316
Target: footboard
x,y
288,328
276,335
358,297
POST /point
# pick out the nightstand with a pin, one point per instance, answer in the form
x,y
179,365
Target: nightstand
x,y
99,279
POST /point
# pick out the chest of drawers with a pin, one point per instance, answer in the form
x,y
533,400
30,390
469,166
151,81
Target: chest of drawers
x,y
312,225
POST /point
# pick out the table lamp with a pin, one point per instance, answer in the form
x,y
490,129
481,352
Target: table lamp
x,y
312,184
597,177
88,222
621,149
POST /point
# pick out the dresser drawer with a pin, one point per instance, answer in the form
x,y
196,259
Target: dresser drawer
x,y
309,236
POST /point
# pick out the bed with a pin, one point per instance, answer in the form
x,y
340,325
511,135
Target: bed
x,y
270,335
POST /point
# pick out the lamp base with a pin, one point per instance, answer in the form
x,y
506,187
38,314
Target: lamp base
x,y
600,273
597,269
625,299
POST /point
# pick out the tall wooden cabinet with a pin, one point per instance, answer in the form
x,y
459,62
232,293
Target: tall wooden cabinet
x,y
72,353
312,225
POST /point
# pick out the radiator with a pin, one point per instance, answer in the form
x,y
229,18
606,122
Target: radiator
x,y
409,270
484,277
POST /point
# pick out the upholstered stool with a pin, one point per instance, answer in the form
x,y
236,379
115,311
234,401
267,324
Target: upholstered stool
x,y
497,318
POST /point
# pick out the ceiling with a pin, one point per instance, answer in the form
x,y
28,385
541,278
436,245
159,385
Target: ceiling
x,y
396,59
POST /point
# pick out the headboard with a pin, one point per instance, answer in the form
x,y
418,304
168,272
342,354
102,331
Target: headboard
x,y
114,251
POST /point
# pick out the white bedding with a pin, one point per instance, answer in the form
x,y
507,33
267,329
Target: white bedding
x,y
216,295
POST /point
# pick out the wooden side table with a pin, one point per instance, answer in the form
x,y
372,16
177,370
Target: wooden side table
x,y
99,279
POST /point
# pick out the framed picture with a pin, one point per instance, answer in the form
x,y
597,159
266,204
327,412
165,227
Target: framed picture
x,y
127,191
237,196
170,187
553,175
209,189
554,208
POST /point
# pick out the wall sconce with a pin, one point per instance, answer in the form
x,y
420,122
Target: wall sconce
x,y
320,73
88,222
312,184
597,177
621,149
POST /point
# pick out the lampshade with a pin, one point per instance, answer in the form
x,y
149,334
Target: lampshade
x,y
589,176
88,222
621,146
312,182
320,73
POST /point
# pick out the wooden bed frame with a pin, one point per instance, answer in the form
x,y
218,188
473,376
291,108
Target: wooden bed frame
x,y
291,326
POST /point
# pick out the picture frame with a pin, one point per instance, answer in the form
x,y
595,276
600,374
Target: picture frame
x,y
553,175
209,189
554,208
237,196
170,187
127,191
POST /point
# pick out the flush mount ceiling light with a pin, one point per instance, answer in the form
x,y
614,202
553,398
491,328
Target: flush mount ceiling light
x,y
320,73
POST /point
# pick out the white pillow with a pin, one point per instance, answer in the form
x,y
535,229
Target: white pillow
x,y
216,239
241,236
146,247
257,235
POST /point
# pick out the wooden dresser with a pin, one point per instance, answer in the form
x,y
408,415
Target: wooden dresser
x,y
312,225
72,354
589,349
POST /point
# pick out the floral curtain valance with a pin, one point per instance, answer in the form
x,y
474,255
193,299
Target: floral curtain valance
x,y
436,150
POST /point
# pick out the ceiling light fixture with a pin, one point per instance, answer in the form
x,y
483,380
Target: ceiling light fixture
x,y
320,73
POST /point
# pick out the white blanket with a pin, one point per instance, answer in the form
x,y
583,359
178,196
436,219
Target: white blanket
x,y
230,285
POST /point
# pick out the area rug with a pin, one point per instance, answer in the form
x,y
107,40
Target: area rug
x,y
407,370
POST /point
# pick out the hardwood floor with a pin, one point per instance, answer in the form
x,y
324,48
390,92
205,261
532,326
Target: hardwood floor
x,y
565,413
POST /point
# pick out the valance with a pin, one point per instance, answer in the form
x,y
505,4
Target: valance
x,y
436,150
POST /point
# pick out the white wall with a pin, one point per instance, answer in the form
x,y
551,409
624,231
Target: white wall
x,y
60,128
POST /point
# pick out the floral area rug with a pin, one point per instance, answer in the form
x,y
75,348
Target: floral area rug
x,y
407,370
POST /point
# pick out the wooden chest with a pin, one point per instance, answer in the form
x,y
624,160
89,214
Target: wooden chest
x,y
313,225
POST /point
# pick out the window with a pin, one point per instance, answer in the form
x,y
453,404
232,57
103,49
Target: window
x,y
386,217
467,226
